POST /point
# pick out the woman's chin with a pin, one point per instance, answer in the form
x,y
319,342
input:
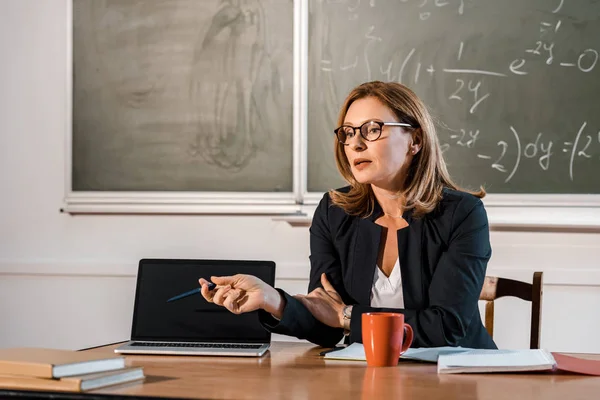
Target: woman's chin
x,y
363,179
371,180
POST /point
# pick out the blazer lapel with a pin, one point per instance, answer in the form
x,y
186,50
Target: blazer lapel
x,y
409,253
365,260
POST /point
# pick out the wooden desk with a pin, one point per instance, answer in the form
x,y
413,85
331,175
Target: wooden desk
x,y
295,371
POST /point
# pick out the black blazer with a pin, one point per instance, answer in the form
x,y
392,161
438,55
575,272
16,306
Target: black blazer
x,y
443,261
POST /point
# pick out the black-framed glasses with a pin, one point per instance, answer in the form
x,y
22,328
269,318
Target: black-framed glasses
x,y
369,130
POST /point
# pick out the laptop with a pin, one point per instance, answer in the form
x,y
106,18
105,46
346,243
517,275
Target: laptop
x,y
191,325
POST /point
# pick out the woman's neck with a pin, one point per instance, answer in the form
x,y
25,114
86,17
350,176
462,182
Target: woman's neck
x,y
390,200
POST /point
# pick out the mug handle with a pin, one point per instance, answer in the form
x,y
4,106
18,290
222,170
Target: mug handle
x,y
408,338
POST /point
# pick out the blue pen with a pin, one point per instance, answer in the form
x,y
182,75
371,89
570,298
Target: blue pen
x,y
211,286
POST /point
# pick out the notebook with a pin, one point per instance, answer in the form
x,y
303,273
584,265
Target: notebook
x,y
477,361
193,326
78,383
54,363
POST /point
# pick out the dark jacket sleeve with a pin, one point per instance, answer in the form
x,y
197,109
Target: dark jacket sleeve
x,y
455,286
297,320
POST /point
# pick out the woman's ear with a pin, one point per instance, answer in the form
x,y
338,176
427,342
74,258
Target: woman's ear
x,y
415,145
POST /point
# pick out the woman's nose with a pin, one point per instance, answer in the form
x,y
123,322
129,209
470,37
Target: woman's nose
x,y
357,143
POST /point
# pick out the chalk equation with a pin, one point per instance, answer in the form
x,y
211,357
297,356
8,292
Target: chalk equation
x,y
517,100
426,7
544,48
585,145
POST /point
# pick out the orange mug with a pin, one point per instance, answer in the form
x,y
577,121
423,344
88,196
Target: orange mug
x,y
383,338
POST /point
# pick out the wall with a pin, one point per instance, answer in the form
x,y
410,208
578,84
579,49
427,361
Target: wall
x,y
68,281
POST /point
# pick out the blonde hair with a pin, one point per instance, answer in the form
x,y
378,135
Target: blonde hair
x,y
427,173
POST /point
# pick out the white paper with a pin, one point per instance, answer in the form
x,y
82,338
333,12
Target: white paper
x,y
431,354
356,352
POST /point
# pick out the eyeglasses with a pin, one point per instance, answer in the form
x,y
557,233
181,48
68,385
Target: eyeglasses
x,y
370,130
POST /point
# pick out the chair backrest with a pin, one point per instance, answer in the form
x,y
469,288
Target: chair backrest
x,y
495,287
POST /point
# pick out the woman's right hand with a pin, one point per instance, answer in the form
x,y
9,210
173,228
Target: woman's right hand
x,y
243,293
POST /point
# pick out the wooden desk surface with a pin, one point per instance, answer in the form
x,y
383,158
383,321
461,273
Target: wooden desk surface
x,y
296,371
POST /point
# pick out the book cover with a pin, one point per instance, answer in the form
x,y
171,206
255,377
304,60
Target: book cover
x,y
55,363
78,383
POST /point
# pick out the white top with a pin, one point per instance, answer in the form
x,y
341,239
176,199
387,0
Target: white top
x,y
387,291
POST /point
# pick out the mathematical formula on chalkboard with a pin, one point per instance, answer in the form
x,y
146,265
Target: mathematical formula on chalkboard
x,y
510,84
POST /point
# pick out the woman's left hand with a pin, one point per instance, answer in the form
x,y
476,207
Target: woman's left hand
x,y
325,304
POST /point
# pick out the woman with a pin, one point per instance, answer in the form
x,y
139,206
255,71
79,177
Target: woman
x,y
401,237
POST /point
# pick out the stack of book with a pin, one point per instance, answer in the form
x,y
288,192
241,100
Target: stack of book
x,y
33,368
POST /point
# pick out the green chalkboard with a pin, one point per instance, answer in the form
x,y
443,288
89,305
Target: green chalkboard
x,y
514,85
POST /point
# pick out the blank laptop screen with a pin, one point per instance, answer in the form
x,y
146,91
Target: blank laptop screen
x,y
193,318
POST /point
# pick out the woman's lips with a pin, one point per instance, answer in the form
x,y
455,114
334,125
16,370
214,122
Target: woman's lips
x,y
360,165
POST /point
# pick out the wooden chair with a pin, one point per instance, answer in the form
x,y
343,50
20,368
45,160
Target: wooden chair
x,y
494,288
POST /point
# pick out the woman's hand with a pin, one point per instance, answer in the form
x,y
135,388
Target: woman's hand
x,y
325,304
243,293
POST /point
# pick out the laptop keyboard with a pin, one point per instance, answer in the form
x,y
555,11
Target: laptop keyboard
x,y
201,345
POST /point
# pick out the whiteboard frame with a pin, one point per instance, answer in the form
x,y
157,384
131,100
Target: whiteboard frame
x,y
578,211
